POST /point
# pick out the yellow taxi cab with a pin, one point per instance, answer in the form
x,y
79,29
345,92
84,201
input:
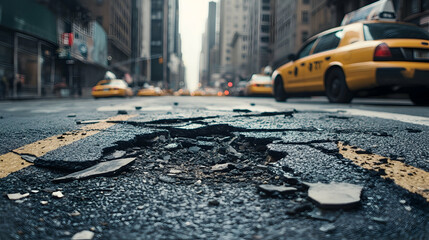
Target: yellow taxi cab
x,y
371,56
111,88
259,85
182,92
150,91
198,93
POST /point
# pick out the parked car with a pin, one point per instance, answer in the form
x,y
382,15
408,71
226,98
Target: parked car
x,y
240,88
377,56
111,88
259,85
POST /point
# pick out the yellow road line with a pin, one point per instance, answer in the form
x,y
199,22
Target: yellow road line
x,y
12,161
413,179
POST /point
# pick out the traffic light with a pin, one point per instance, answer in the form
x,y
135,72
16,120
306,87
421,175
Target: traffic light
x,y
160,60
230,84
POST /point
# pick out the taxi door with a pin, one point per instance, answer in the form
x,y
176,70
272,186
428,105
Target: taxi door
x,y
298,71
321,57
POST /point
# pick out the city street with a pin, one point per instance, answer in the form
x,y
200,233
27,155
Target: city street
x,y
213,168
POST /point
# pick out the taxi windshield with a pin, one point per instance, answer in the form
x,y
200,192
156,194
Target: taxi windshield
x,y
112,83
262,78
377,31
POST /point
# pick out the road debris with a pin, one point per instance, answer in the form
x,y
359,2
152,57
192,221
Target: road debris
x,y
58,194
84,235
101,169
222,167
166,179
17,196
267,188
327,228
172,146
335,195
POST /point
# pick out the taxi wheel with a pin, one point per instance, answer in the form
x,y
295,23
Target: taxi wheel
x,y
336,87
420,97
279,91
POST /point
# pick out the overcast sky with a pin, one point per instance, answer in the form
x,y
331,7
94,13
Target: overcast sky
x,y
193,16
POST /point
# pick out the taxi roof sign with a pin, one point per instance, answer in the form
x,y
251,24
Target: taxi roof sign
x,y
380,10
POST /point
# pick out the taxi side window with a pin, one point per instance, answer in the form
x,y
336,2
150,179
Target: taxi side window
x,y
305,51
328,42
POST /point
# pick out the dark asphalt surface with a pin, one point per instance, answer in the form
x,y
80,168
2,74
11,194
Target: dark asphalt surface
x,y
172,193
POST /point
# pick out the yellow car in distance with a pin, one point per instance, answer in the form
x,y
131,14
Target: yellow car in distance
x,y
111,88
150,91
370,57
259,85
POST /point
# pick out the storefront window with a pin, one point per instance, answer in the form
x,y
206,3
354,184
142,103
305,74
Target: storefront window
x,y
413,6
425,4
47,70
26,78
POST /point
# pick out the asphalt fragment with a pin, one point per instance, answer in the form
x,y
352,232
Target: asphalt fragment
x,y
335,195
101,169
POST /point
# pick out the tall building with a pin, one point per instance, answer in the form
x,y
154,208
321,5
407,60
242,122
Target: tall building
x,y
323,16
157,41
292,28
145,30
234,18
174,56
259,35
207,66
116,18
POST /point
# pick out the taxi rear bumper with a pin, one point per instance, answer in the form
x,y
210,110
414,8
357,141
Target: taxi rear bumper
x,y
400,76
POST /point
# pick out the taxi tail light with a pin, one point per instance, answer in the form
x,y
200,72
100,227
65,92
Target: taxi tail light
x,y
94,89
382,52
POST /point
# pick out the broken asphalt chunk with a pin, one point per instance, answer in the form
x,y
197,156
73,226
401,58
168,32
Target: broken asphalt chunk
x,y
172,146
234,152
238,110
17,196
84,235
117,154
335,195
28,158
58,194
327,228
101,169
194,149
88,122
166,179
222,167
276,189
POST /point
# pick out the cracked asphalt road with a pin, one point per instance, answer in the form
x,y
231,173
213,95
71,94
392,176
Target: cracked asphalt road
x,y
199,166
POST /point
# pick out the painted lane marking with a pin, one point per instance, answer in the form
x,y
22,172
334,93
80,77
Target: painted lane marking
x,y
413,179
384,115
12,161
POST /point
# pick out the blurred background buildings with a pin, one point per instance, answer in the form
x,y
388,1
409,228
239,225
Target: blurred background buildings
x,y
64,47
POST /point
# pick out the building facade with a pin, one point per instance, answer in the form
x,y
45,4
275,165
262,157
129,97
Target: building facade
x,y
46,48
292,28
234,18
259,35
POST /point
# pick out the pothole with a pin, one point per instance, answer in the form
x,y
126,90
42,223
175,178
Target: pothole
x,y
211,159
